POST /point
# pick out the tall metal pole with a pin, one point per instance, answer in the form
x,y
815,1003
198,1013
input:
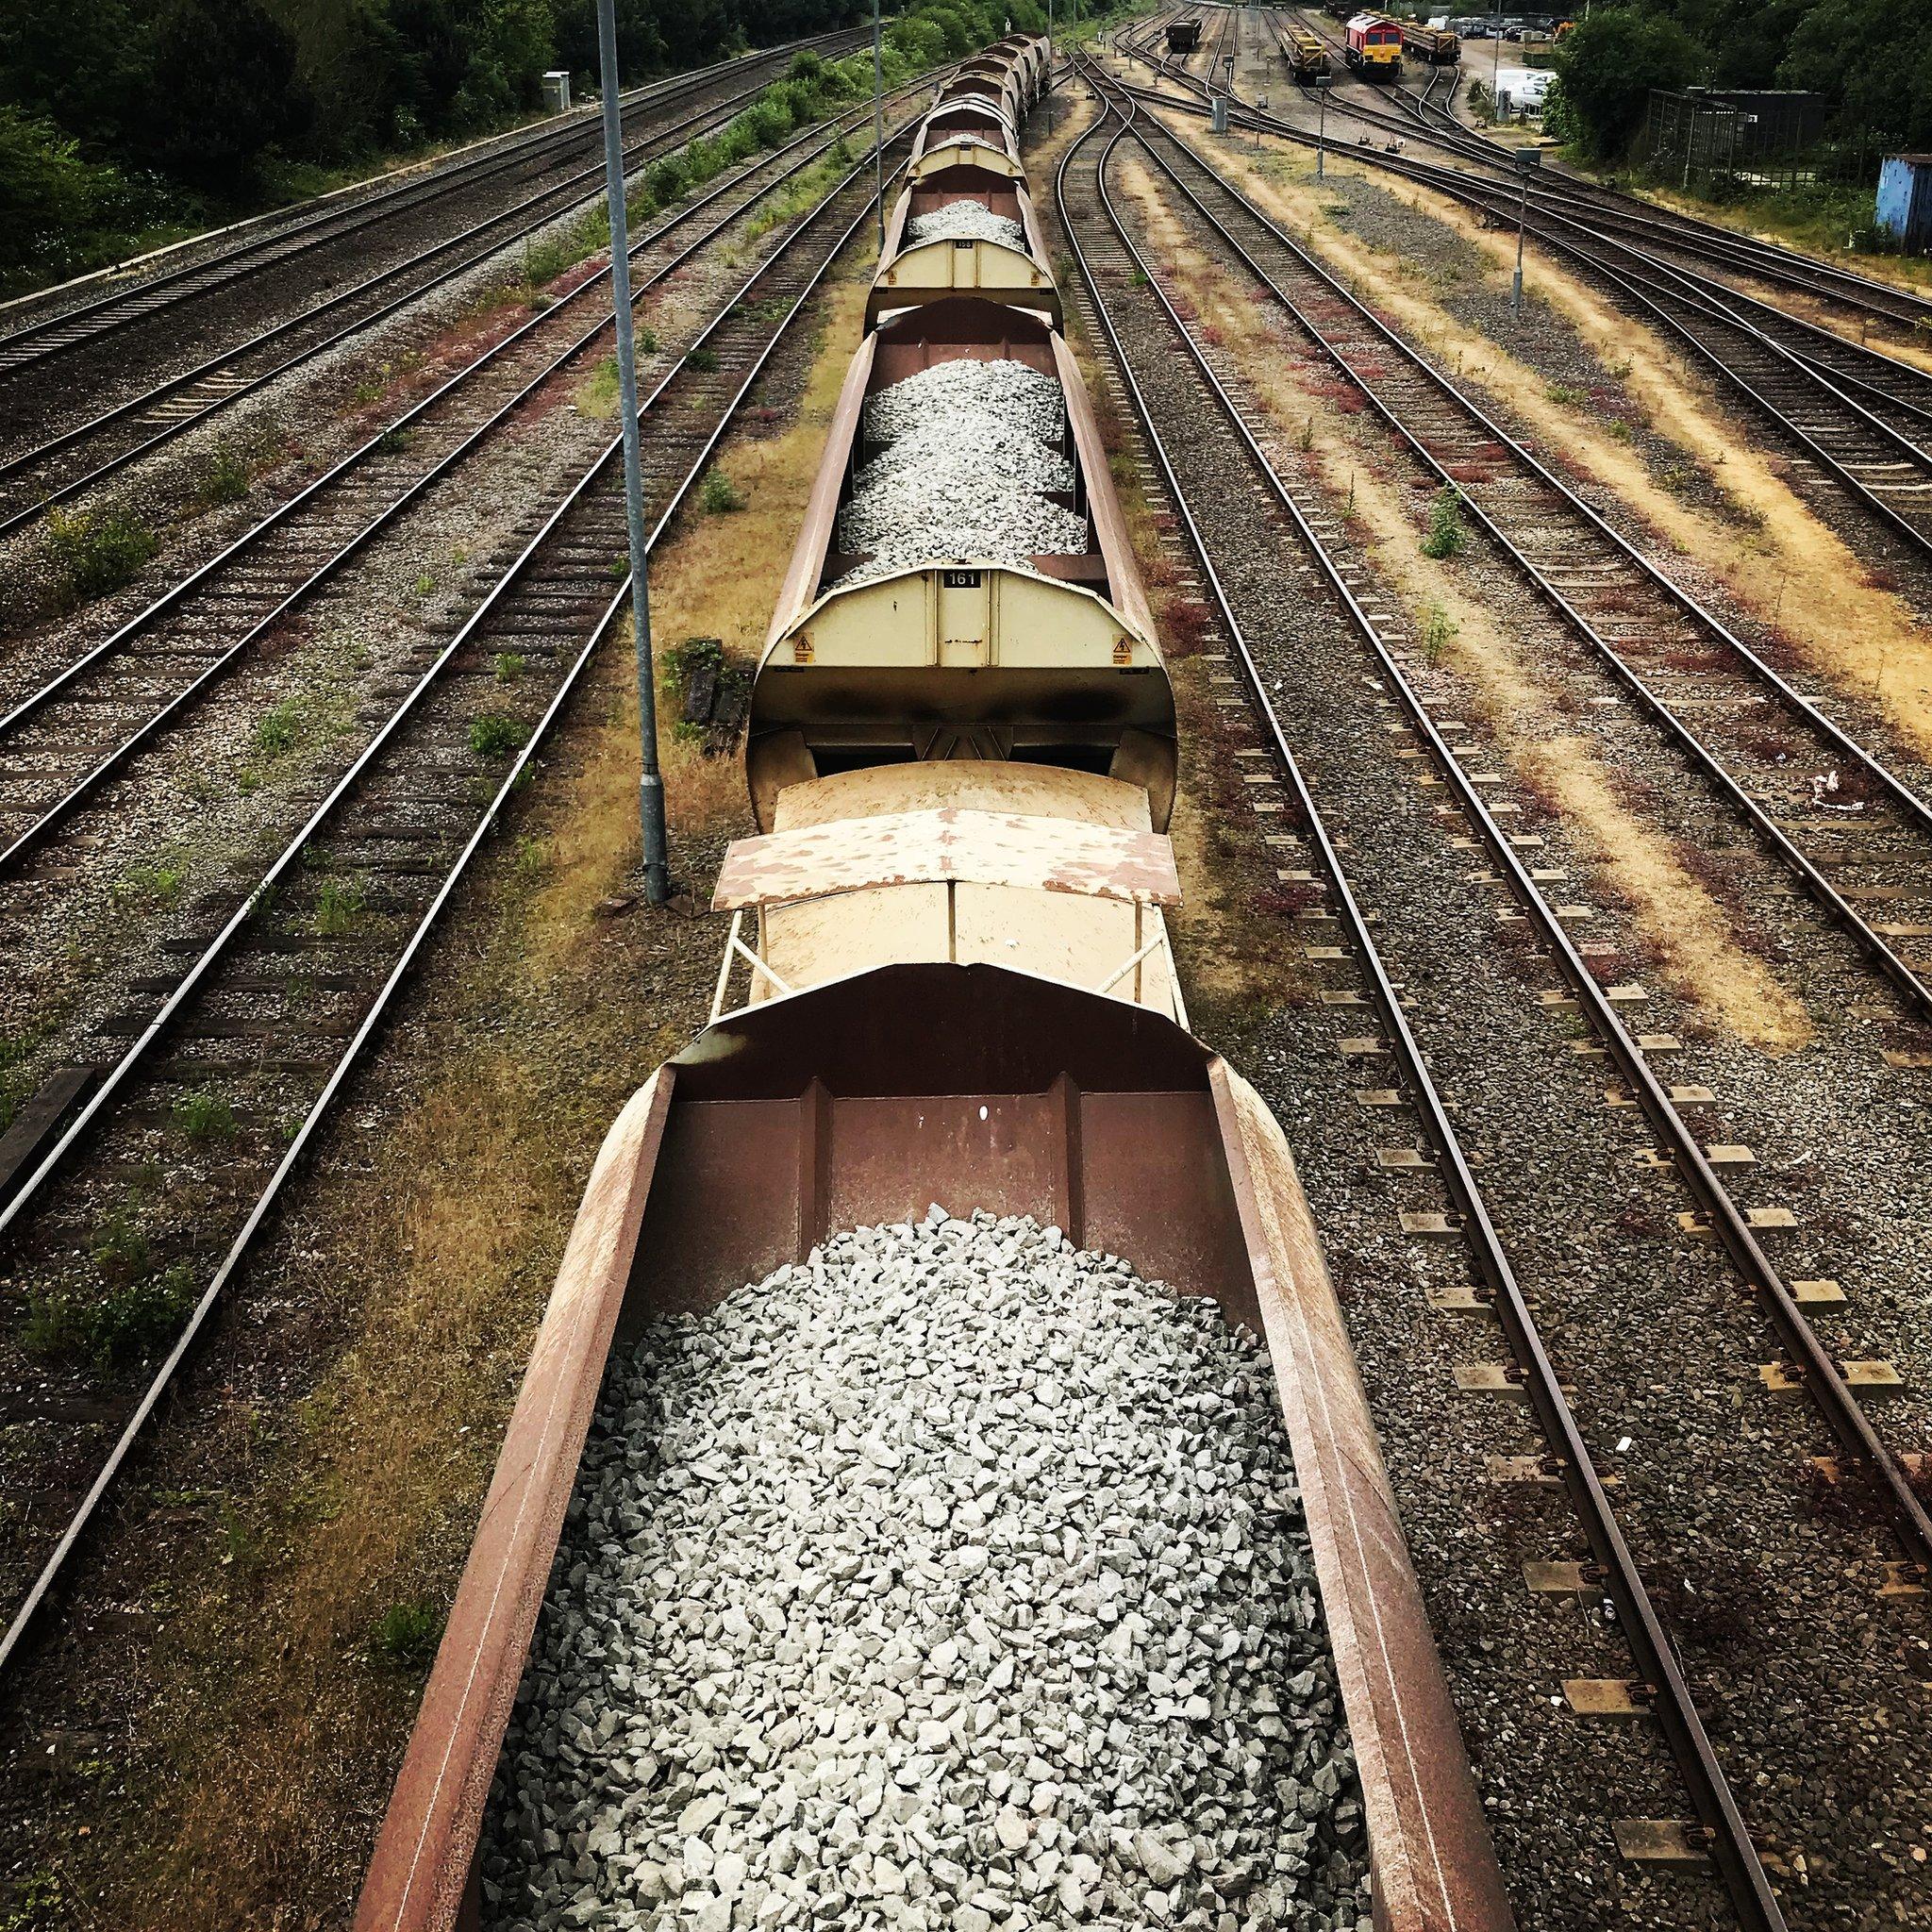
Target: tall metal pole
x,y
650,782
1322,125
1521,217
878,126
1049,69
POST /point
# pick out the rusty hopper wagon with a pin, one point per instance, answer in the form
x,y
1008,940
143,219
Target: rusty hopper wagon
x,y
948,978
1182,36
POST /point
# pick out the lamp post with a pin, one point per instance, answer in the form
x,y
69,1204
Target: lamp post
x,y
1527,161
650,780
878,126
1323,83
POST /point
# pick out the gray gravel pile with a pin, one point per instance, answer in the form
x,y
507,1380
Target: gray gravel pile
x,y
999,456
952,1579
967,221
970,447
1027,401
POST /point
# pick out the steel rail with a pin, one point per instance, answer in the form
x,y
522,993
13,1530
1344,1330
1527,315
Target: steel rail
x,y
1576,204
351,218
32,835
1849,747
1729,791
1459,187
1651,1649
648,145
52,1571
1548,197
1820,1374
1749,255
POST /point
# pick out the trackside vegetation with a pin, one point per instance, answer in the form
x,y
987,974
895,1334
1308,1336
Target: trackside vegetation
x,y
1870,60
126,123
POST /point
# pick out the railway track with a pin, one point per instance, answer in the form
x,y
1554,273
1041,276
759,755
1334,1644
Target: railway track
x,y
276,1012
1293,596
1864,441
85,454
1704,244
68,738
1610,597
27,350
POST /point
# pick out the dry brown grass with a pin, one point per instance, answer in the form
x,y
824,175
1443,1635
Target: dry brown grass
x,y
1789,569
1688,929
284,1726
718,576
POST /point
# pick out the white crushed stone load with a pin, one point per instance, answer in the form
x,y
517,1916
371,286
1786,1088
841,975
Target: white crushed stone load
x,y
951,1581
1017,461
1027,400
967,221
980,442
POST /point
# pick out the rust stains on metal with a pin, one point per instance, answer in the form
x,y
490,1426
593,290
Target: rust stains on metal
x,y
988,848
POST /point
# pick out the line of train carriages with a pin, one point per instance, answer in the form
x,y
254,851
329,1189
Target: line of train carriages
x,y
948,978
1374,44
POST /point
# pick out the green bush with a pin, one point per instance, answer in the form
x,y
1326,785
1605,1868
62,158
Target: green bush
x,y
51,201
718,495
204,1116
406,1636
339,905
1448,534
129,1321
280,728
98,551
494,735
226,479
1607,66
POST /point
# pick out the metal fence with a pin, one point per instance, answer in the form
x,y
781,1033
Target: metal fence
x,y
1712,141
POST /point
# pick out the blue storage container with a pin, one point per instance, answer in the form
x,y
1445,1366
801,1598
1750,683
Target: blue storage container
x,y
1905,202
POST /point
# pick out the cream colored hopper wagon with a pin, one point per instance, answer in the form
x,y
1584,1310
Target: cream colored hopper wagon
x,y
1034,868
913,271
1052,662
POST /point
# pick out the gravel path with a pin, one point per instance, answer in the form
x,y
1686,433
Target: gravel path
x,y
952,1577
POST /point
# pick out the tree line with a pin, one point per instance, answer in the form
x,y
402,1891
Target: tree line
x,y
124,120
1870,60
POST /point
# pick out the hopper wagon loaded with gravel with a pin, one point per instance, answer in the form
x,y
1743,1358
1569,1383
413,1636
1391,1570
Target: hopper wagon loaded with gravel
x,y
964,227
851,1561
